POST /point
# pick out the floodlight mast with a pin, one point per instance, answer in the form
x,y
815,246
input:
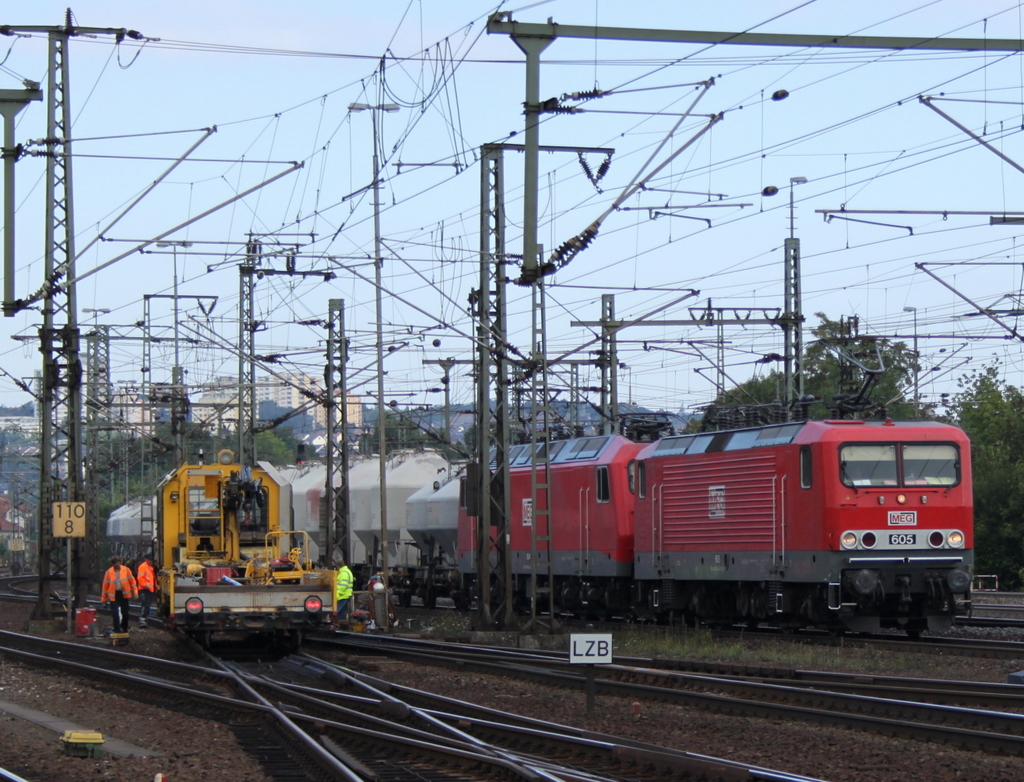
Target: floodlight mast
x,y
917,366
793,311
378,266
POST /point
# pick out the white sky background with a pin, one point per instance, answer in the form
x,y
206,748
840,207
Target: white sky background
x,y
277,81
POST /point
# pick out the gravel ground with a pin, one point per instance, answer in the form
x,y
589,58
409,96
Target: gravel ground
x,y
198,750
191,749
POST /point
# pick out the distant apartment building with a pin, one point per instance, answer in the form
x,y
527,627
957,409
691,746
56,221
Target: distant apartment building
x,y
286,390
216,405
29,424
127,404
219,400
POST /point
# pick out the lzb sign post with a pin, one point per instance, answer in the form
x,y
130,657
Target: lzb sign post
x,y
590,649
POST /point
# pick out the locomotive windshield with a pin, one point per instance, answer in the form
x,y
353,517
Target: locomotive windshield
x,y
868,465
925,464
906,464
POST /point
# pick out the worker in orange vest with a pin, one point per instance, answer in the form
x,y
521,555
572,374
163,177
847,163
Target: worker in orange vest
x,y
118,588
146,579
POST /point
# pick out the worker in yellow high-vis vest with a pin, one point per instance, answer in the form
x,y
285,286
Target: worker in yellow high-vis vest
x,y
343,591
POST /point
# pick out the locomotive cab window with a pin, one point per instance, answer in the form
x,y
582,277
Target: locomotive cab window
x,y
864,464
930,464
604,489
806,464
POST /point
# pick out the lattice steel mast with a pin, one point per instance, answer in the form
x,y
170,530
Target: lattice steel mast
x,y
60,403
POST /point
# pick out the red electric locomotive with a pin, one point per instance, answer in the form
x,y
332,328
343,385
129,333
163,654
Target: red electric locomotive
x,y
857,525
591,521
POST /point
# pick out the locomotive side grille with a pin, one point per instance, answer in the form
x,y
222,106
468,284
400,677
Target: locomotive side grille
x,y
668,592
775,597
721,500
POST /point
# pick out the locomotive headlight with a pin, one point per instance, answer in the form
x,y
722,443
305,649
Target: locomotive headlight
x,y
313,604
868,539
193,606
958,580
955,539
849,539
901,499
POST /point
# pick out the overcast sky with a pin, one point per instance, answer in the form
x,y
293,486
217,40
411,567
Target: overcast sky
x,y
276,81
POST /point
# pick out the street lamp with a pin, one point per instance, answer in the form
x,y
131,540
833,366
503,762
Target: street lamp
x,y
917,365
96,313
378,263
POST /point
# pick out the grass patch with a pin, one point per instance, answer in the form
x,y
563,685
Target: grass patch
x,y
701,645
687,643
449,624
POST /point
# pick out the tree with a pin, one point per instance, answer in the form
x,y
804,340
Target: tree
x,y
836,382
992,414
830,377
277,447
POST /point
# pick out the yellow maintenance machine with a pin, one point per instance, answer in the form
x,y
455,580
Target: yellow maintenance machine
x,y
230,566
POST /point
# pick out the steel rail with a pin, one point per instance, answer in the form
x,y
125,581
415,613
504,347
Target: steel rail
x,y
1001,733
894,687
381,713
319,744
503,728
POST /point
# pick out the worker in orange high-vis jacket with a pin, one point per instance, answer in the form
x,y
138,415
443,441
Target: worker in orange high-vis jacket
x,y
146,579
118,588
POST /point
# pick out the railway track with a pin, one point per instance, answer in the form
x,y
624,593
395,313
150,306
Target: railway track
x,y
352,727
871,704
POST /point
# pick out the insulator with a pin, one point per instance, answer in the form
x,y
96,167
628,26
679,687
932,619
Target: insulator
x,y
585,167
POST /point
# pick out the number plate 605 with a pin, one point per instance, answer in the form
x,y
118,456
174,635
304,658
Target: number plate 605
x,y
902,539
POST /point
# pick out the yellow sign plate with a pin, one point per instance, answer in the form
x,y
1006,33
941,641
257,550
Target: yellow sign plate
x,y
69,519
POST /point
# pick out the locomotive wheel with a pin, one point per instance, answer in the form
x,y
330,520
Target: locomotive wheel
x,y
759,604
743,602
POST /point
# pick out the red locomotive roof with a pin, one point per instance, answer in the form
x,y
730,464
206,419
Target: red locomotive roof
x,y
832,431
800,432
